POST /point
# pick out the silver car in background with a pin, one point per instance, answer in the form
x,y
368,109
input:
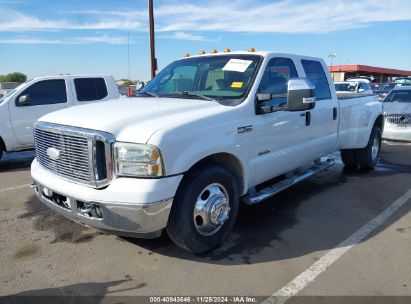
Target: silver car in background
x,y
397,114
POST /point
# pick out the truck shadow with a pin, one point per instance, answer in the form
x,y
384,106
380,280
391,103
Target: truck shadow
x,y
16,161
91,292
312,216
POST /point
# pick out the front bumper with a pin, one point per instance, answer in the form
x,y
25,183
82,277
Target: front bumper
x,y
393,132
143,214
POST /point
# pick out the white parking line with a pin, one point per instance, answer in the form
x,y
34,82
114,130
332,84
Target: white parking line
x,y
308,276
14,188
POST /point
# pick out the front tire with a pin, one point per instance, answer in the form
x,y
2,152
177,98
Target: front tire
x,y
204,209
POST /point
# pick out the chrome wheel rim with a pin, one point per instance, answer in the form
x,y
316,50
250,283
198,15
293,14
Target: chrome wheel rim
x,y
212,209
375,147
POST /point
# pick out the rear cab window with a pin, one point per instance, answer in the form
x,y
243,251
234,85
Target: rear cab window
x,y
90,89
314,72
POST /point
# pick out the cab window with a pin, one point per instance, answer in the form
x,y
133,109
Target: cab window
x,y
275,80
90,89
315,72
45,92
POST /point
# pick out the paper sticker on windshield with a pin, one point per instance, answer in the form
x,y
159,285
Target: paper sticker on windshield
x,y
237,85
237,65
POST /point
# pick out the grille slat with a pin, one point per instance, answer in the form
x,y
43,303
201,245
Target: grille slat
x,y
68,149
49,135
76,167
401,120
74,160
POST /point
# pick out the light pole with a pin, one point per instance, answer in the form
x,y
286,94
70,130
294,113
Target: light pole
x,y
152,45
331,56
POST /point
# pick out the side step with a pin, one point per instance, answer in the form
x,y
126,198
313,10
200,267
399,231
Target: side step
x,y
284,184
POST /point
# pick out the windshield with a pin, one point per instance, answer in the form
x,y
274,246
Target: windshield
x,y
7,94
399,96
387,87
10,92
345,87
222,78
403,80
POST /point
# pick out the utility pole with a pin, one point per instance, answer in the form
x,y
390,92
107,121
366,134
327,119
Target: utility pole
x,y
152,45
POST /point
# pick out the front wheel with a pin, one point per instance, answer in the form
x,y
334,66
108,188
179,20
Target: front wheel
x,y
204,209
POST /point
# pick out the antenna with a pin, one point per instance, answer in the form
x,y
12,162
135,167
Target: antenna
x,y
152,45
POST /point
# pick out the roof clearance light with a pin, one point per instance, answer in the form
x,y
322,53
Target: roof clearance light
x,y
214,51
227,50
251,49
202,52
186,55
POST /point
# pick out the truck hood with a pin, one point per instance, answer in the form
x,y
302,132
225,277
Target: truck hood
x,y
133,119
397,107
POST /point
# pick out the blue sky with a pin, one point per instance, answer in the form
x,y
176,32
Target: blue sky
x,y
43,37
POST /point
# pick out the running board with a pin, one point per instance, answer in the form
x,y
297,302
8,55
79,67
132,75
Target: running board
x,y
284,184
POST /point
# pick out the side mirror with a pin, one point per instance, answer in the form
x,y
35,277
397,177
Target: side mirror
x,y
23,100
300,95
140,85
361,90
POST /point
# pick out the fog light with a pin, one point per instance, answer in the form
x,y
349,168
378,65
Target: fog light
x,y
47,192
92,210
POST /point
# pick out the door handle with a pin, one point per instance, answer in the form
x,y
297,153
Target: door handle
x,y
244,129
307,118
335,113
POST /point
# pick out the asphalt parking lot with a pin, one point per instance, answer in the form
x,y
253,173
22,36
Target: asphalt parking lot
x,y
42,253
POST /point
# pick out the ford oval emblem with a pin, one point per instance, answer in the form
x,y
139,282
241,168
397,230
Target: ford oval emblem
x,y
53,153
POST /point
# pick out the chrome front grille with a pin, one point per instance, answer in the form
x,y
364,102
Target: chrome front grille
x,y
402,120
79,155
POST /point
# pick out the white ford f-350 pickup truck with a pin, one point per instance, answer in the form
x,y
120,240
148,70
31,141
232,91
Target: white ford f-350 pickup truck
x,y
22,106
207,132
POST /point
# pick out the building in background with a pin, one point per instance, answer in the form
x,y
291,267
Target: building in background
x,y
342,72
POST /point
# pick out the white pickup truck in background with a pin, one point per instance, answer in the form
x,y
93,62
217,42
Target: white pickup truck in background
x,y
22,106
207,132
353,87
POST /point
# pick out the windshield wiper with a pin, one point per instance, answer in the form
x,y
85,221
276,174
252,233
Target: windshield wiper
x,y
150,94
191,94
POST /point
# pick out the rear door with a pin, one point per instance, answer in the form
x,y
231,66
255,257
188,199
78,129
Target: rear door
x,y
322,134
44,96
89,89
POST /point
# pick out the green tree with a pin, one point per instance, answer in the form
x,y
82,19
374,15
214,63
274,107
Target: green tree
x,y
14,77
128,81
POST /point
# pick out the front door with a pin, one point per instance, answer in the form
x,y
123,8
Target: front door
x,y
43,97
280,136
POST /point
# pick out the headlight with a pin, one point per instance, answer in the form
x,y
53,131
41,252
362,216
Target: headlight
x,y
137,160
